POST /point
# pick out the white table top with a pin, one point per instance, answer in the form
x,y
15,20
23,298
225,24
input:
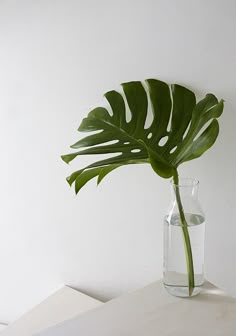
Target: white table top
x,y
151,311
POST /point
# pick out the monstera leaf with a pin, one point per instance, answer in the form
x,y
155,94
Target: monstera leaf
x,y
189,129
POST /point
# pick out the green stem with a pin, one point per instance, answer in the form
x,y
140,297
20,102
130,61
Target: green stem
x,y
186,237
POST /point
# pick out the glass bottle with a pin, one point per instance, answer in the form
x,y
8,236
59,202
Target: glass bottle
x,y
184,231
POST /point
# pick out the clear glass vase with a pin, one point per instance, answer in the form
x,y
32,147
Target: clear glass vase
x,y
184,231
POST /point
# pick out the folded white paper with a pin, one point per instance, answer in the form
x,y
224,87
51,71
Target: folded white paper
x,y
64,304
2,326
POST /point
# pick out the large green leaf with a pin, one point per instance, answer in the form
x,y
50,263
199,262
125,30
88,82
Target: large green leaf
x,y
190,129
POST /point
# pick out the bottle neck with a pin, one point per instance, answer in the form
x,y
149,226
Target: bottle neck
x,y
187,191
185,200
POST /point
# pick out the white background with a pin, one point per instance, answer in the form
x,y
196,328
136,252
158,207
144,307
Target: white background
x,y
57,58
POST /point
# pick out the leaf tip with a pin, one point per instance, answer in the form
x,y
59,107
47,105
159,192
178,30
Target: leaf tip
x,y
68,180
65,158
76,189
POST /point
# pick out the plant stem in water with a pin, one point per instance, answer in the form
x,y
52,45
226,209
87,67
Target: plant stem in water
x,y
186,237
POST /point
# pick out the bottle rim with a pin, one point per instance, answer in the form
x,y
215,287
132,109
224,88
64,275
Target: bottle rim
x,y
185,182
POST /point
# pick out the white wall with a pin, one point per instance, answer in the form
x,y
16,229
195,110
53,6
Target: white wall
x,y
57,58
